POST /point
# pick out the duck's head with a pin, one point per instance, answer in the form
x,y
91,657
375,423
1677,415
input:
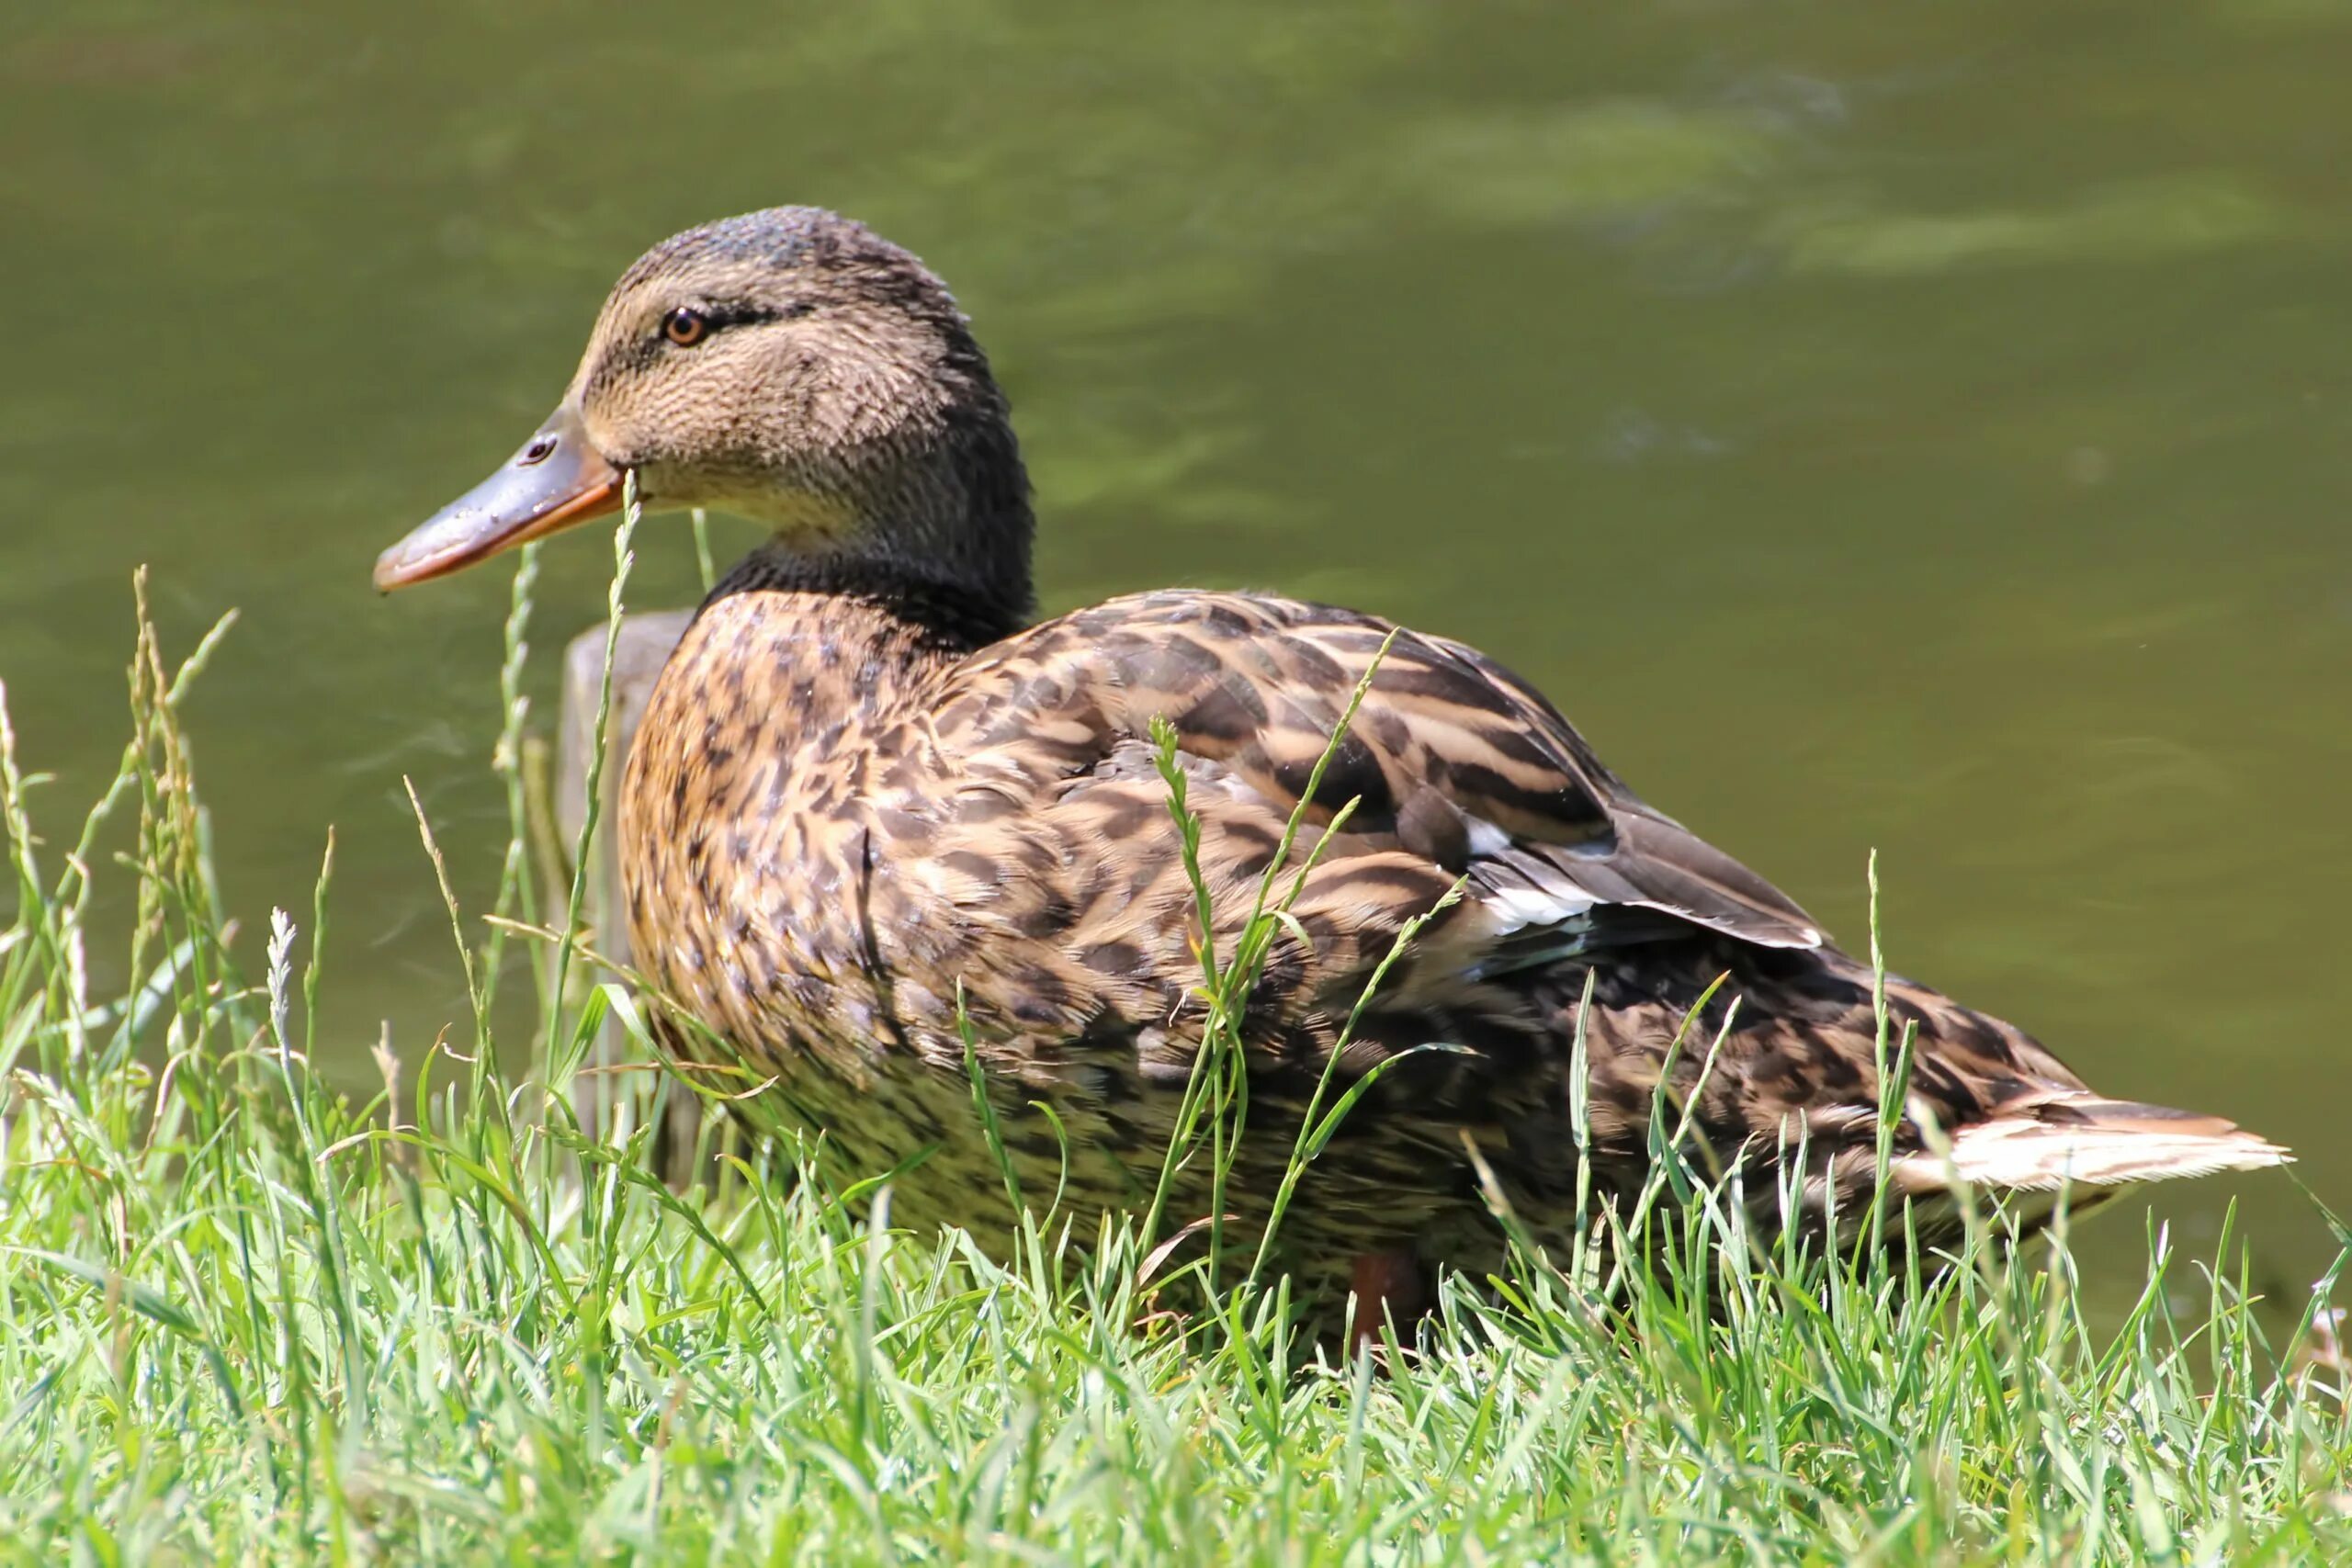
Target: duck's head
x,y
791,367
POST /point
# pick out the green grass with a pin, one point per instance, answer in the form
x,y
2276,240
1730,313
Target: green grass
x,y
245,1318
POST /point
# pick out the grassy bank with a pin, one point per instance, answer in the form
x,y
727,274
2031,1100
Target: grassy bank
x,y
243,1318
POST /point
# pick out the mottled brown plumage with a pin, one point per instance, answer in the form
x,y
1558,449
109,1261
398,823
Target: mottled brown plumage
x,y
861,794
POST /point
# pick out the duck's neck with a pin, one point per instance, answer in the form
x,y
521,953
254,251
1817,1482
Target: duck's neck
x,y
932,533
915,611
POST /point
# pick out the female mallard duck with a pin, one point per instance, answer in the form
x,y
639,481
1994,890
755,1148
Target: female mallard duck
x,y
864,795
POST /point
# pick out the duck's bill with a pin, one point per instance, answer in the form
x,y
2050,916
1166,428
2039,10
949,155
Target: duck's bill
x,y
556,479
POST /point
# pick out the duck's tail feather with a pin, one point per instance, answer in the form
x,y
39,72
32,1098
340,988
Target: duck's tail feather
x,y
2072,1137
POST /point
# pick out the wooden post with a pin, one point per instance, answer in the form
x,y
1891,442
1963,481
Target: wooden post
x,y
643,647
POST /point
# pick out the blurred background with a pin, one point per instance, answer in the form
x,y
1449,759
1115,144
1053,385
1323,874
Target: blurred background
x,y
1918,428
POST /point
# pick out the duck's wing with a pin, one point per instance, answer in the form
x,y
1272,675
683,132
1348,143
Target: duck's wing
x,y
1042,824
1454,764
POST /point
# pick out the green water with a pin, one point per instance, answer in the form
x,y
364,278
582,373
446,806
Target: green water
x,y
1916,426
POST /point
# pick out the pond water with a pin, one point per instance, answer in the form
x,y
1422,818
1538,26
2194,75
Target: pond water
x,y
1913,427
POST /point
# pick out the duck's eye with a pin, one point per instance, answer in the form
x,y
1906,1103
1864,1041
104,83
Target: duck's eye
x,y
685,326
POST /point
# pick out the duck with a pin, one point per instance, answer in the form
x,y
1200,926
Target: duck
x,y
885,835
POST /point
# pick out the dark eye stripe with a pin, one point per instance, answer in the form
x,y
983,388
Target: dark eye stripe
x,y
717,317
